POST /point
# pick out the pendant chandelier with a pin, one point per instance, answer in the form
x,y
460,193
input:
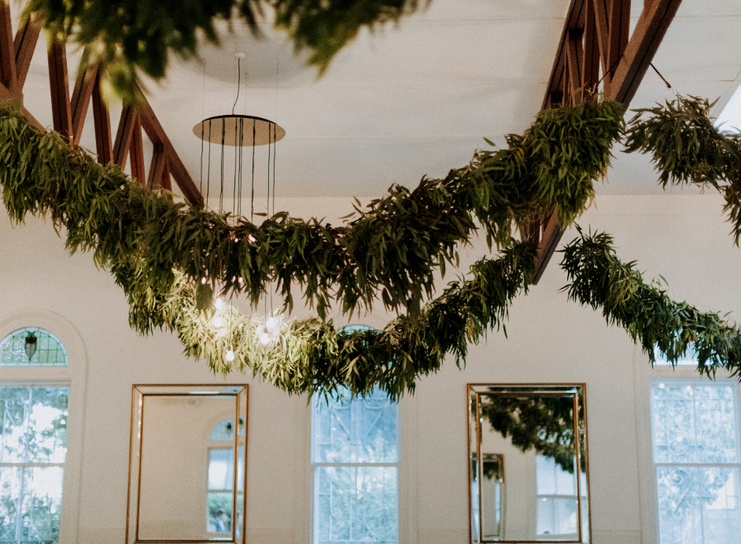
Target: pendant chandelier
x,y
228,156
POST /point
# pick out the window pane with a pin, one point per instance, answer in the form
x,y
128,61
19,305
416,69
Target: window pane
x,y
35,493
361,431
356,504
693,423
34,424
47,350
221,469
556,516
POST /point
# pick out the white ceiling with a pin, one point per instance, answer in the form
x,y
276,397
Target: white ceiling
x,y
416,98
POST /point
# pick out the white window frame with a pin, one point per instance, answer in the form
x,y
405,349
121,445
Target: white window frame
x,y
314,465
644,374
72,376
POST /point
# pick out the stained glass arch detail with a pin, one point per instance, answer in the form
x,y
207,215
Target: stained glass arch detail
x,y
32,346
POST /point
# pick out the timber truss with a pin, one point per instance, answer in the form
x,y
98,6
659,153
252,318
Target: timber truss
x,y
70,112
596,49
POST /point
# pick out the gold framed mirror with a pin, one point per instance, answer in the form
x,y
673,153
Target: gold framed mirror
x,y
541,430
188,453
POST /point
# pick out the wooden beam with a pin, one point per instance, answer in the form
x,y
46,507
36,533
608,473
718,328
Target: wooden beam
x,y
137,152
102,120
547,244
7,51
604,24
166,179
573,57
647,36
156,133
157,168
602,28
123,135
25,42
81,100
61,109
618,17
590,59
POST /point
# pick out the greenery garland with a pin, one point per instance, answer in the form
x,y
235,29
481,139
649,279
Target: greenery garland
x,y
390,250
600,280
169,257
686,147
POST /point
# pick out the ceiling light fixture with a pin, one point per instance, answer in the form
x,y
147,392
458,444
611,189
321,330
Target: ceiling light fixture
x,y
219,135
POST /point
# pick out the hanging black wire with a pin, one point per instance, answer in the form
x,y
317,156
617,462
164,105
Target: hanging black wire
x,y
241,147
221,190
275,150
208,175
267,203
252,201
200,182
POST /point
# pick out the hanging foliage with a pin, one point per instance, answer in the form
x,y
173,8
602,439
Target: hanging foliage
x,y
600,280
170,256
128,36
389,250
542,424
687,148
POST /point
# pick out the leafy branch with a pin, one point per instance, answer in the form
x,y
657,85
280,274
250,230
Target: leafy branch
x,y
600,280
686,147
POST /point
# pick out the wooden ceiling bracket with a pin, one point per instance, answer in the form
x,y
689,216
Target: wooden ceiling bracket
x,y
597,31
123,135
81,100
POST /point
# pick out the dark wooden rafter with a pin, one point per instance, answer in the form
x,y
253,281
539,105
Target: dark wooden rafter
x,y
596,36
24,43
61,108
8,75
102,120
157,135
157,168
136,152
124,135
81,100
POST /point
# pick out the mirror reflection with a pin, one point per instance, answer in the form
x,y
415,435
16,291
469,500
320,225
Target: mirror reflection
x,y
540,431
187,476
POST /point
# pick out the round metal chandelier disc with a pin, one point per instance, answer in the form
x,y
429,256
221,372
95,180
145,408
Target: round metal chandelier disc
x,y
239,130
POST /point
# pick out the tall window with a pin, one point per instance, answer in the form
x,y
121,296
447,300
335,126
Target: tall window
x,y
355,459
694,427
220,493
33,443
557,501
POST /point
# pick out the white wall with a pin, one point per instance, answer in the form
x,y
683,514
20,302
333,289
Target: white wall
x,y
684,238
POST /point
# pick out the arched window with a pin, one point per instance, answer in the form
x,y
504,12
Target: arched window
x,y
355,461
33,441
32,346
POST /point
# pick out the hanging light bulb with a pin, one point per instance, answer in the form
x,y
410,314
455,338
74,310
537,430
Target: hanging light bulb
x,y
218,304
264,339
271,323
203,280
229,355
217,322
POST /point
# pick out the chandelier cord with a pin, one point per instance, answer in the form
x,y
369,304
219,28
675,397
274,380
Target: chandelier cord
x,y
239,82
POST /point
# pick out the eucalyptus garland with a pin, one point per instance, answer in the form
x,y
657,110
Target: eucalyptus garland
x,y
686,147
600,280
390,250
170,257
